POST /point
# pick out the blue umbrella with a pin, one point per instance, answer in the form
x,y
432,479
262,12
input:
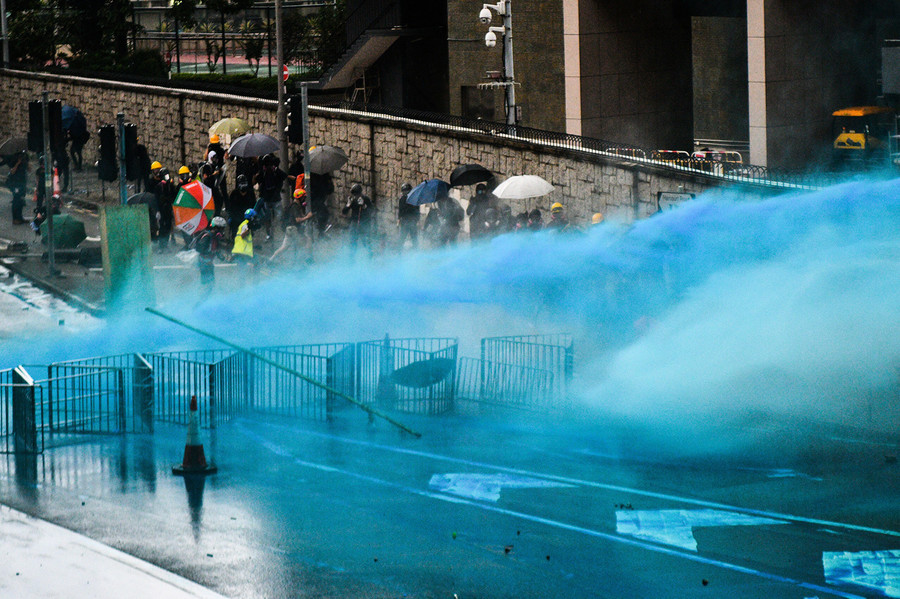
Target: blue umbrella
x,y
428,192
73,120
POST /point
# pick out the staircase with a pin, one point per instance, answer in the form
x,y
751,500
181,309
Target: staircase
x,y
370,30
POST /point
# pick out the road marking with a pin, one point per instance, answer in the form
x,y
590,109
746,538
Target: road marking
x,y
486,487
676,527
878,570
596,485
283,451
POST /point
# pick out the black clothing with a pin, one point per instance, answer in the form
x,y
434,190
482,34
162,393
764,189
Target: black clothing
x,y
236,204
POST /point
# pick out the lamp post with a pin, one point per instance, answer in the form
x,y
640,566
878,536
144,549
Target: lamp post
x,y
504,9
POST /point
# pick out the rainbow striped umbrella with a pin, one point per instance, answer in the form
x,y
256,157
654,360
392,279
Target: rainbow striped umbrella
x,y
194,208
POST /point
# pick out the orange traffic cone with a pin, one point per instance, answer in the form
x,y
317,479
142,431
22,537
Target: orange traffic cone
x,y
194,461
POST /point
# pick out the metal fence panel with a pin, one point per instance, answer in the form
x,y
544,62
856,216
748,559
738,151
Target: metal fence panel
x,y
552,354
180,375
416,375
505,385
278,391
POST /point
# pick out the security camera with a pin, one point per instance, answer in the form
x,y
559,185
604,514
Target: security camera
x,y
485,16
490,39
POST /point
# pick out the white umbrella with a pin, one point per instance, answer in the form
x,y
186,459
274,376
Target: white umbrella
x,y
520,187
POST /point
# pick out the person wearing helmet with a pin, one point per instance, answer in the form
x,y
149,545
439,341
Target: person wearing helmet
x,y
184,176
558,220
215,145
242,252
239,201
407,219
297,211
360,214
160,185
208,242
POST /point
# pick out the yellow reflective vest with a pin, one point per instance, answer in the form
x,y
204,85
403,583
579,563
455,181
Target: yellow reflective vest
x,y
243,245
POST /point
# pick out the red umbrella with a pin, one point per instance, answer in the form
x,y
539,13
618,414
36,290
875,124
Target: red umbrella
x,y
194,208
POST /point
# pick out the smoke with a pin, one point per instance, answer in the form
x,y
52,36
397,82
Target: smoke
x,y
726,307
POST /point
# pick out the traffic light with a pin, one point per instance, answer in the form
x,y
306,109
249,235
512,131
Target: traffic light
x,y
295,119
35,126
54,116
132,169
107,166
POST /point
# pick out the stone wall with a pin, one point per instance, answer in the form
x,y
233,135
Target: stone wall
x,y
384,152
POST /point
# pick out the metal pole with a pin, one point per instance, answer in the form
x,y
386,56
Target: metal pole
x,y
371,411
177,49
5,34
304,100
281,121
508,65
48,183
123,185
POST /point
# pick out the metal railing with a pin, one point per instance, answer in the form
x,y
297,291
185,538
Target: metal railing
x,y
220,379
408,375
505,385
742,173
279,392
127,393
553,354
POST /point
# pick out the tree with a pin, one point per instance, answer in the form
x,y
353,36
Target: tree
x,y
252,41
32,33
105,41
227,7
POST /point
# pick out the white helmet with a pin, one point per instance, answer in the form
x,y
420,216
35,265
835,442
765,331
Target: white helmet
x,y
218,221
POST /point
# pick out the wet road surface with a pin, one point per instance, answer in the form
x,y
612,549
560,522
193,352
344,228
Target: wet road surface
x,y
480,507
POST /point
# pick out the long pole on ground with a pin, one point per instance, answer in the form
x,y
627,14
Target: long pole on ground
x,y
48,183
364,407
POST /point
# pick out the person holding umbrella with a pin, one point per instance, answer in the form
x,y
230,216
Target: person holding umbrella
x,y
477,212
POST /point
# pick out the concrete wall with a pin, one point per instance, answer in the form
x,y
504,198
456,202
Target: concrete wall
x,y
636,83
384,153
806,59
537,52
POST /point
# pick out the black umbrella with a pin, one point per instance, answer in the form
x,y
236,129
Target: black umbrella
x,y
13,145
469,174
73,120
254,144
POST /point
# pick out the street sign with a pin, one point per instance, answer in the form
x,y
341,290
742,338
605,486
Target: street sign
x,y
284,73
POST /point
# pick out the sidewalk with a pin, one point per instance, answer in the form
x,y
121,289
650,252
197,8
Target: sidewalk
x,y
39,559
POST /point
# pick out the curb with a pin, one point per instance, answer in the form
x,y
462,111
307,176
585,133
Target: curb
x,y
51,288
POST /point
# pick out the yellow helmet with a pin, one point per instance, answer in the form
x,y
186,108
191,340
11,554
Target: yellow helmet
x,y
213,139
184,171
557,207
156,164
597,218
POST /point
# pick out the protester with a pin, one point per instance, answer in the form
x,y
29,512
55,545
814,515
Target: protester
x,y
239,201
17,180
289,253
558,221
320,188
78,139
270,181
359,211
478,205
160,185
444,221
242,252
208,242
407,219
535,220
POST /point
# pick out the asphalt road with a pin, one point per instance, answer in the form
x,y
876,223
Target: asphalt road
x,y
481,507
